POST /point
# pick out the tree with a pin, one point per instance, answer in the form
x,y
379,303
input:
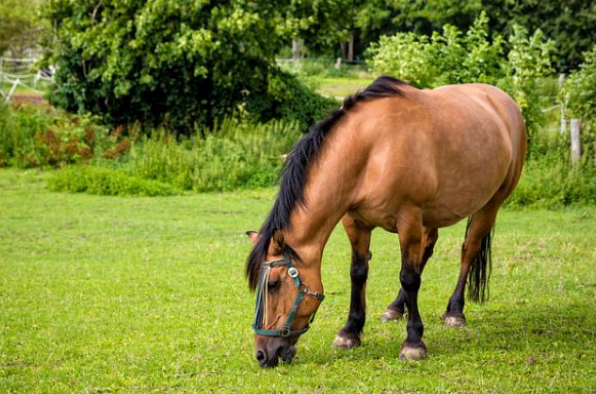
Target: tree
x,y
19,27
570,23
174,62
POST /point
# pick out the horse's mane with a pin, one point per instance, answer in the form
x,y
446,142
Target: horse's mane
x,y
295,172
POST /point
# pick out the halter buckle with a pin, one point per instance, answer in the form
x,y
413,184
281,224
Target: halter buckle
x,y
293,272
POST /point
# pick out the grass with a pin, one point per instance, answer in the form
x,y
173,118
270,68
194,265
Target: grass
x,y
339,87
116,294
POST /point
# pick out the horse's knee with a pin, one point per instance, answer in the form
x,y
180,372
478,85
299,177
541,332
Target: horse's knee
x,y
410,280
359,273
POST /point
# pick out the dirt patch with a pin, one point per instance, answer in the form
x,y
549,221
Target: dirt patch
x,y
28,98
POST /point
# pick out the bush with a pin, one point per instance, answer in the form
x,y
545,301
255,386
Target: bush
x,y
551,183
232,155
173,63
446,58
579,95
105,182
44,137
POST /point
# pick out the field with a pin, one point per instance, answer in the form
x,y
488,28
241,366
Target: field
x,y
107,294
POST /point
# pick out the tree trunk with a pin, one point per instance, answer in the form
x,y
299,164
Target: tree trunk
x,y
351,49
295,50
343,46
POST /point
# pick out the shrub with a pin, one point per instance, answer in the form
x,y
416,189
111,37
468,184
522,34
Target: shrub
x,y
548,182
105,182
579,94
232,155
173,62
42,137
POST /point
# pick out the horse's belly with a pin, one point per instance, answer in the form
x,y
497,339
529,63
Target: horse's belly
x,y
438,218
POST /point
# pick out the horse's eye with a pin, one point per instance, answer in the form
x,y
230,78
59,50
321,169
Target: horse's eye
x,y
272,285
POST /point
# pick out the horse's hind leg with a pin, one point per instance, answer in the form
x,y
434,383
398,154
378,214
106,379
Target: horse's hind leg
x,y
359,235
475,254
397,308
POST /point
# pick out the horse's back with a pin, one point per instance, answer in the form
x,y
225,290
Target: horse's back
x,y
448,151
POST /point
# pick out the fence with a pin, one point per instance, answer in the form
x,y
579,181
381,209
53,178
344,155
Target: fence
x,y
21,72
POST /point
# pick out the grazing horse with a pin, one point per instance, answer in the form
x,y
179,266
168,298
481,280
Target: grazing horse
x,y
410,161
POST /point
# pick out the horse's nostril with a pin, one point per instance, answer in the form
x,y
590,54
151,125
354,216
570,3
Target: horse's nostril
x,y
260,356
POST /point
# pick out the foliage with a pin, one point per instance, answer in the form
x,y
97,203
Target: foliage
x,y
449,57
549,182
579,96
529,60
105,182
232,155
39,137
569,23
147,295
174,63
19,26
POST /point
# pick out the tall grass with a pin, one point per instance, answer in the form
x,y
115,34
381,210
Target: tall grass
x,y
230,156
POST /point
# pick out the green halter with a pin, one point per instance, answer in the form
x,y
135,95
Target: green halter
x,y
260,310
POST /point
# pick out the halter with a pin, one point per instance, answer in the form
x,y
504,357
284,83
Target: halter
x,y
261,303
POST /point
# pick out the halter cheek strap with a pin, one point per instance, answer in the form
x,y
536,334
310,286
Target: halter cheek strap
x,y
261,308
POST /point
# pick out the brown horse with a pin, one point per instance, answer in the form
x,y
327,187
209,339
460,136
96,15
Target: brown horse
x,y
410,161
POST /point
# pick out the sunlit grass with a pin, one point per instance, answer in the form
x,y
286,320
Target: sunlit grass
x,y
106,294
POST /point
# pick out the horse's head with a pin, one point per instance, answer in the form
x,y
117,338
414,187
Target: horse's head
x,y
288,296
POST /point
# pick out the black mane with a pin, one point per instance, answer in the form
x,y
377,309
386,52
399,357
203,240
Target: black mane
x,y
294,174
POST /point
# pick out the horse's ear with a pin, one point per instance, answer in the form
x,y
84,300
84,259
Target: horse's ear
x,y
253,235
278,242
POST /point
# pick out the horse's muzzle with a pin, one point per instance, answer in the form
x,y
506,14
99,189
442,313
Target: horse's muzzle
x,y
268,356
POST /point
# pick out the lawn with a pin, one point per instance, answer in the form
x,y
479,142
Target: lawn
x,y
339,87
106,294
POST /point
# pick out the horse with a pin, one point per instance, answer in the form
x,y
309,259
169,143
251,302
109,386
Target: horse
x,y
407,160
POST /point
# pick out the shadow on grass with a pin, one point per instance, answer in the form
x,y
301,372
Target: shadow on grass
x,y
529,330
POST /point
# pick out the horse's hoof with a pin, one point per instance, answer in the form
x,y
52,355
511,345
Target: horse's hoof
x,y
412,353
346,341
456,321
390,314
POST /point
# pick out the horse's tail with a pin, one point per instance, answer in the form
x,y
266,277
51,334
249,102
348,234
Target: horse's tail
x,y
480,269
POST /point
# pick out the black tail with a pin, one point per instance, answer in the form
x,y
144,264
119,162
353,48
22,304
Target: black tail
x,y
480,269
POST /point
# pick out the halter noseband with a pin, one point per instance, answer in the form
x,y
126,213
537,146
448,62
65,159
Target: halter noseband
x,y
260,306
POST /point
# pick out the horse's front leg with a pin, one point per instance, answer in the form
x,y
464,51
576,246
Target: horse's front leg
x,y
397,308
359,235
410,232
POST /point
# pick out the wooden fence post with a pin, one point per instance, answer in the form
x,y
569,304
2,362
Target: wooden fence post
x,y
295,50
576,148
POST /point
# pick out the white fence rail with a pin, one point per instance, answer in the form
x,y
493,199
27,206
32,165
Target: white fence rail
x,y
21,72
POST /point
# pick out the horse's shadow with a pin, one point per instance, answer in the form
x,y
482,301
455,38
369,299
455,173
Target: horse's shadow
x,y
531,330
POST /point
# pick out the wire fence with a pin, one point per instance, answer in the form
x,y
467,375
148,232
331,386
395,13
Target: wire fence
x,y
22,73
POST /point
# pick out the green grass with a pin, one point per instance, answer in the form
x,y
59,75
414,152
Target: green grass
x,y
116,294
339,87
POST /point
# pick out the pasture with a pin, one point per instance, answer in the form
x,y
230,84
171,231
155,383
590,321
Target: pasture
x,y
111,294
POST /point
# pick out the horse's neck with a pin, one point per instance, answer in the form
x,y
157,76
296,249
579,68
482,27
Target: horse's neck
x,y
327,196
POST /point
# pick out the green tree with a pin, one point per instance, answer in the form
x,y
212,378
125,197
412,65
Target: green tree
x,y
570,23
19,26
175,62
579,93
